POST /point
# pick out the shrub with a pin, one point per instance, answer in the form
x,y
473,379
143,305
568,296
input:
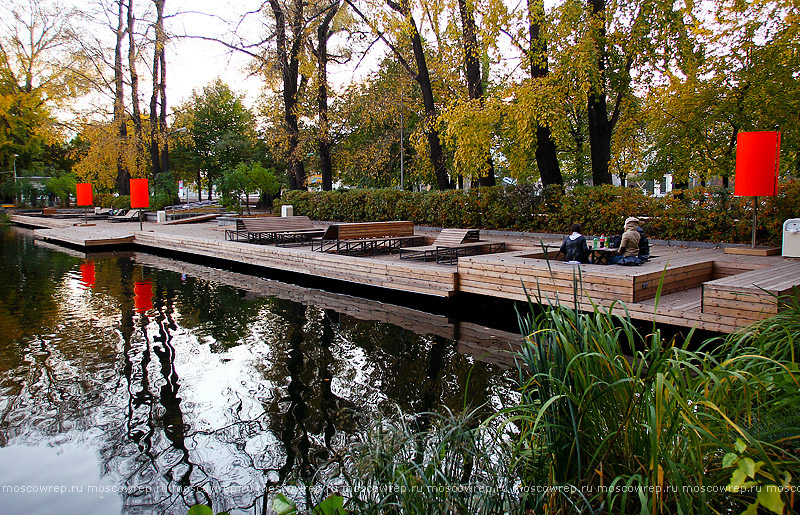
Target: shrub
x,y
699,214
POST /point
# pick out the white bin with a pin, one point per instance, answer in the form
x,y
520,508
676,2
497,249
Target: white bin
x,y
791,237
161,216
287,210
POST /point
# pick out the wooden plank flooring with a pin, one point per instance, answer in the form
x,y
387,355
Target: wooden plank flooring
x,y
699,288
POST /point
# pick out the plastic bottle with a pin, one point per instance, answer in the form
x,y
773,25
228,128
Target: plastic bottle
x,y
602,240
594,245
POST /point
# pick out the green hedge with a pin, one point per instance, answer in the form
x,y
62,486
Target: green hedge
x,y
699,214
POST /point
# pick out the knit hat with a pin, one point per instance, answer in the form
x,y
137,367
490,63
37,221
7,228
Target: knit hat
x,y
631,219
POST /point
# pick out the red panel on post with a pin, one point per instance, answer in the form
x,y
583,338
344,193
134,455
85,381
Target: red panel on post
x,y
83,194
757,164
140,195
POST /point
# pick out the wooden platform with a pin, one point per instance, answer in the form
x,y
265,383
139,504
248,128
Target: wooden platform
x,y
85,236
483,343
707,289
425,278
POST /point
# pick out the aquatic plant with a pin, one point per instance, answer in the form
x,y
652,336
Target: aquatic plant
x,y
613,420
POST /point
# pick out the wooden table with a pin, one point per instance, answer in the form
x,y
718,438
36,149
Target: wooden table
x,y
600,256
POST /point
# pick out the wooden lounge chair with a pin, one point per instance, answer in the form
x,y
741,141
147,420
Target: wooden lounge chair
x,y
450,244
131,216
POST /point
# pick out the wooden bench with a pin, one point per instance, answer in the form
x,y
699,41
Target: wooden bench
x,y
366,237
283,229
452,243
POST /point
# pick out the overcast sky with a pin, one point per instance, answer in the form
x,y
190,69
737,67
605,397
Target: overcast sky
x,y
193,63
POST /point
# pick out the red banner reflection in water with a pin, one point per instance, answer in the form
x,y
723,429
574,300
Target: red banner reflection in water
x,y
87,274
143,296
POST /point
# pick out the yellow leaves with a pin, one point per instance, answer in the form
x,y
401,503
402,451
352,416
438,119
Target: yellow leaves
x,y
103,151
470,127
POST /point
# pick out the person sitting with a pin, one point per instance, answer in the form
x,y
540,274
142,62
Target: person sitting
x,y
644,244
574,246
628,251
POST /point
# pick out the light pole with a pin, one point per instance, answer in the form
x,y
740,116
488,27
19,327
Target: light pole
x,y
16,192
401,141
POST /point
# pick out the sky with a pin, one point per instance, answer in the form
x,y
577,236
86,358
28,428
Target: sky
x,y
193,63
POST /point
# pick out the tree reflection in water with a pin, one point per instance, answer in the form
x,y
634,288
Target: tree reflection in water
x,y
213,395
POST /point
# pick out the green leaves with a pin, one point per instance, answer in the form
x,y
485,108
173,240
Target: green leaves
x,y
333,505
282,505
202,509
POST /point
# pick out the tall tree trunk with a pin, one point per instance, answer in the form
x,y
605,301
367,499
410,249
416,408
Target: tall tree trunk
x,y
159,156
473,72
138,143
123,173
546,156
289,61
600,127
323,34
423,78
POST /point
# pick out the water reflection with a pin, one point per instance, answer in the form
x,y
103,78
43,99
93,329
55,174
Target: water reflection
x,y
189,384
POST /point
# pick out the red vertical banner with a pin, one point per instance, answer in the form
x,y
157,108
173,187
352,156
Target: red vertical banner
x,y
757,156
87,274
140,194
83,194
143,296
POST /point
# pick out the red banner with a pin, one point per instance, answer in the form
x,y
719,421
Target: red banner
x,y
83,194
757,155
140,194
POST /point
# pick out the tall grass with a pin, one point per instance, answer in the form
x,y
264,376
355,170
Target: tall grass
x,y
650,432
608,420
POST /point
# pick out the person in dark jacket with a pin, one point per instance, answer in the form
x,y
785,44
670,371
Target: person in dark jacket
x,y
574,246
644,245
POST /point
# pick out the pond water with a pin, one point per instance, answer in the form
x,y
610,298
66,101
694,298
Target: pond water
x,y
131,383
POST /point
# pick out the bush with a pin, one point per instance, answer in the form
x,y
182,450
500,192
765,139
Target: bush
x,y
700,214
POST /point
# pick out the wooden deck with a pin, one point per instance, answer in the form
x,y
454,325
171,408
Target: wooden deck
x,y
707,289
481,342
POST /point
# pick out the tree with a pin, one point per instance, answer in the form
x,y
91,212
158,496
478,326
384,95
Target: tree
x,y
289,39
472,52
368,146
727,81
407,33
159,152
546,158
324,33
220,134
246,178
39,72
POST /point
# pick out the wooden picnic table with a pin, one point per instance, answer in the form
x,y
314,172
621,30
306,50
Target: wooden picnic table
x,y
600,256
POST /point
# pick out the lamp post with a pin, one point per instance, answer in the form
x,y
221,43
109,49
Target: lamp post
x,y
16,193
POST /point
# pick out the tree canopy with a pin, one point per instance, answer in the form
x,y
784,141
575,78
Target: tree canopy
x,y
441,94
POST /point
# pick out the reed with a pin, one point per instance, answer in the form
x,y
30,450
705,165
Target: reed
x,y
613,420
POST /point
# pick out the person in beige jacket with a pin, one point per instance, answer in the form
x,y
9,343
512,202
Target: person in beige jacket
x,y
629,246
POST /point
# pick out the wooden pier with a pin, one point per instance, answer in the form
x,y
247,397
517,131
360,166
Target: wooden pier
x,y
703,288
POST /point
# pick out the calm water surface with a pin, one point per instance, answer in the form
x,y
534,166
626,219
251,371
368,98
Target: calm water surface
x,y
133,384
